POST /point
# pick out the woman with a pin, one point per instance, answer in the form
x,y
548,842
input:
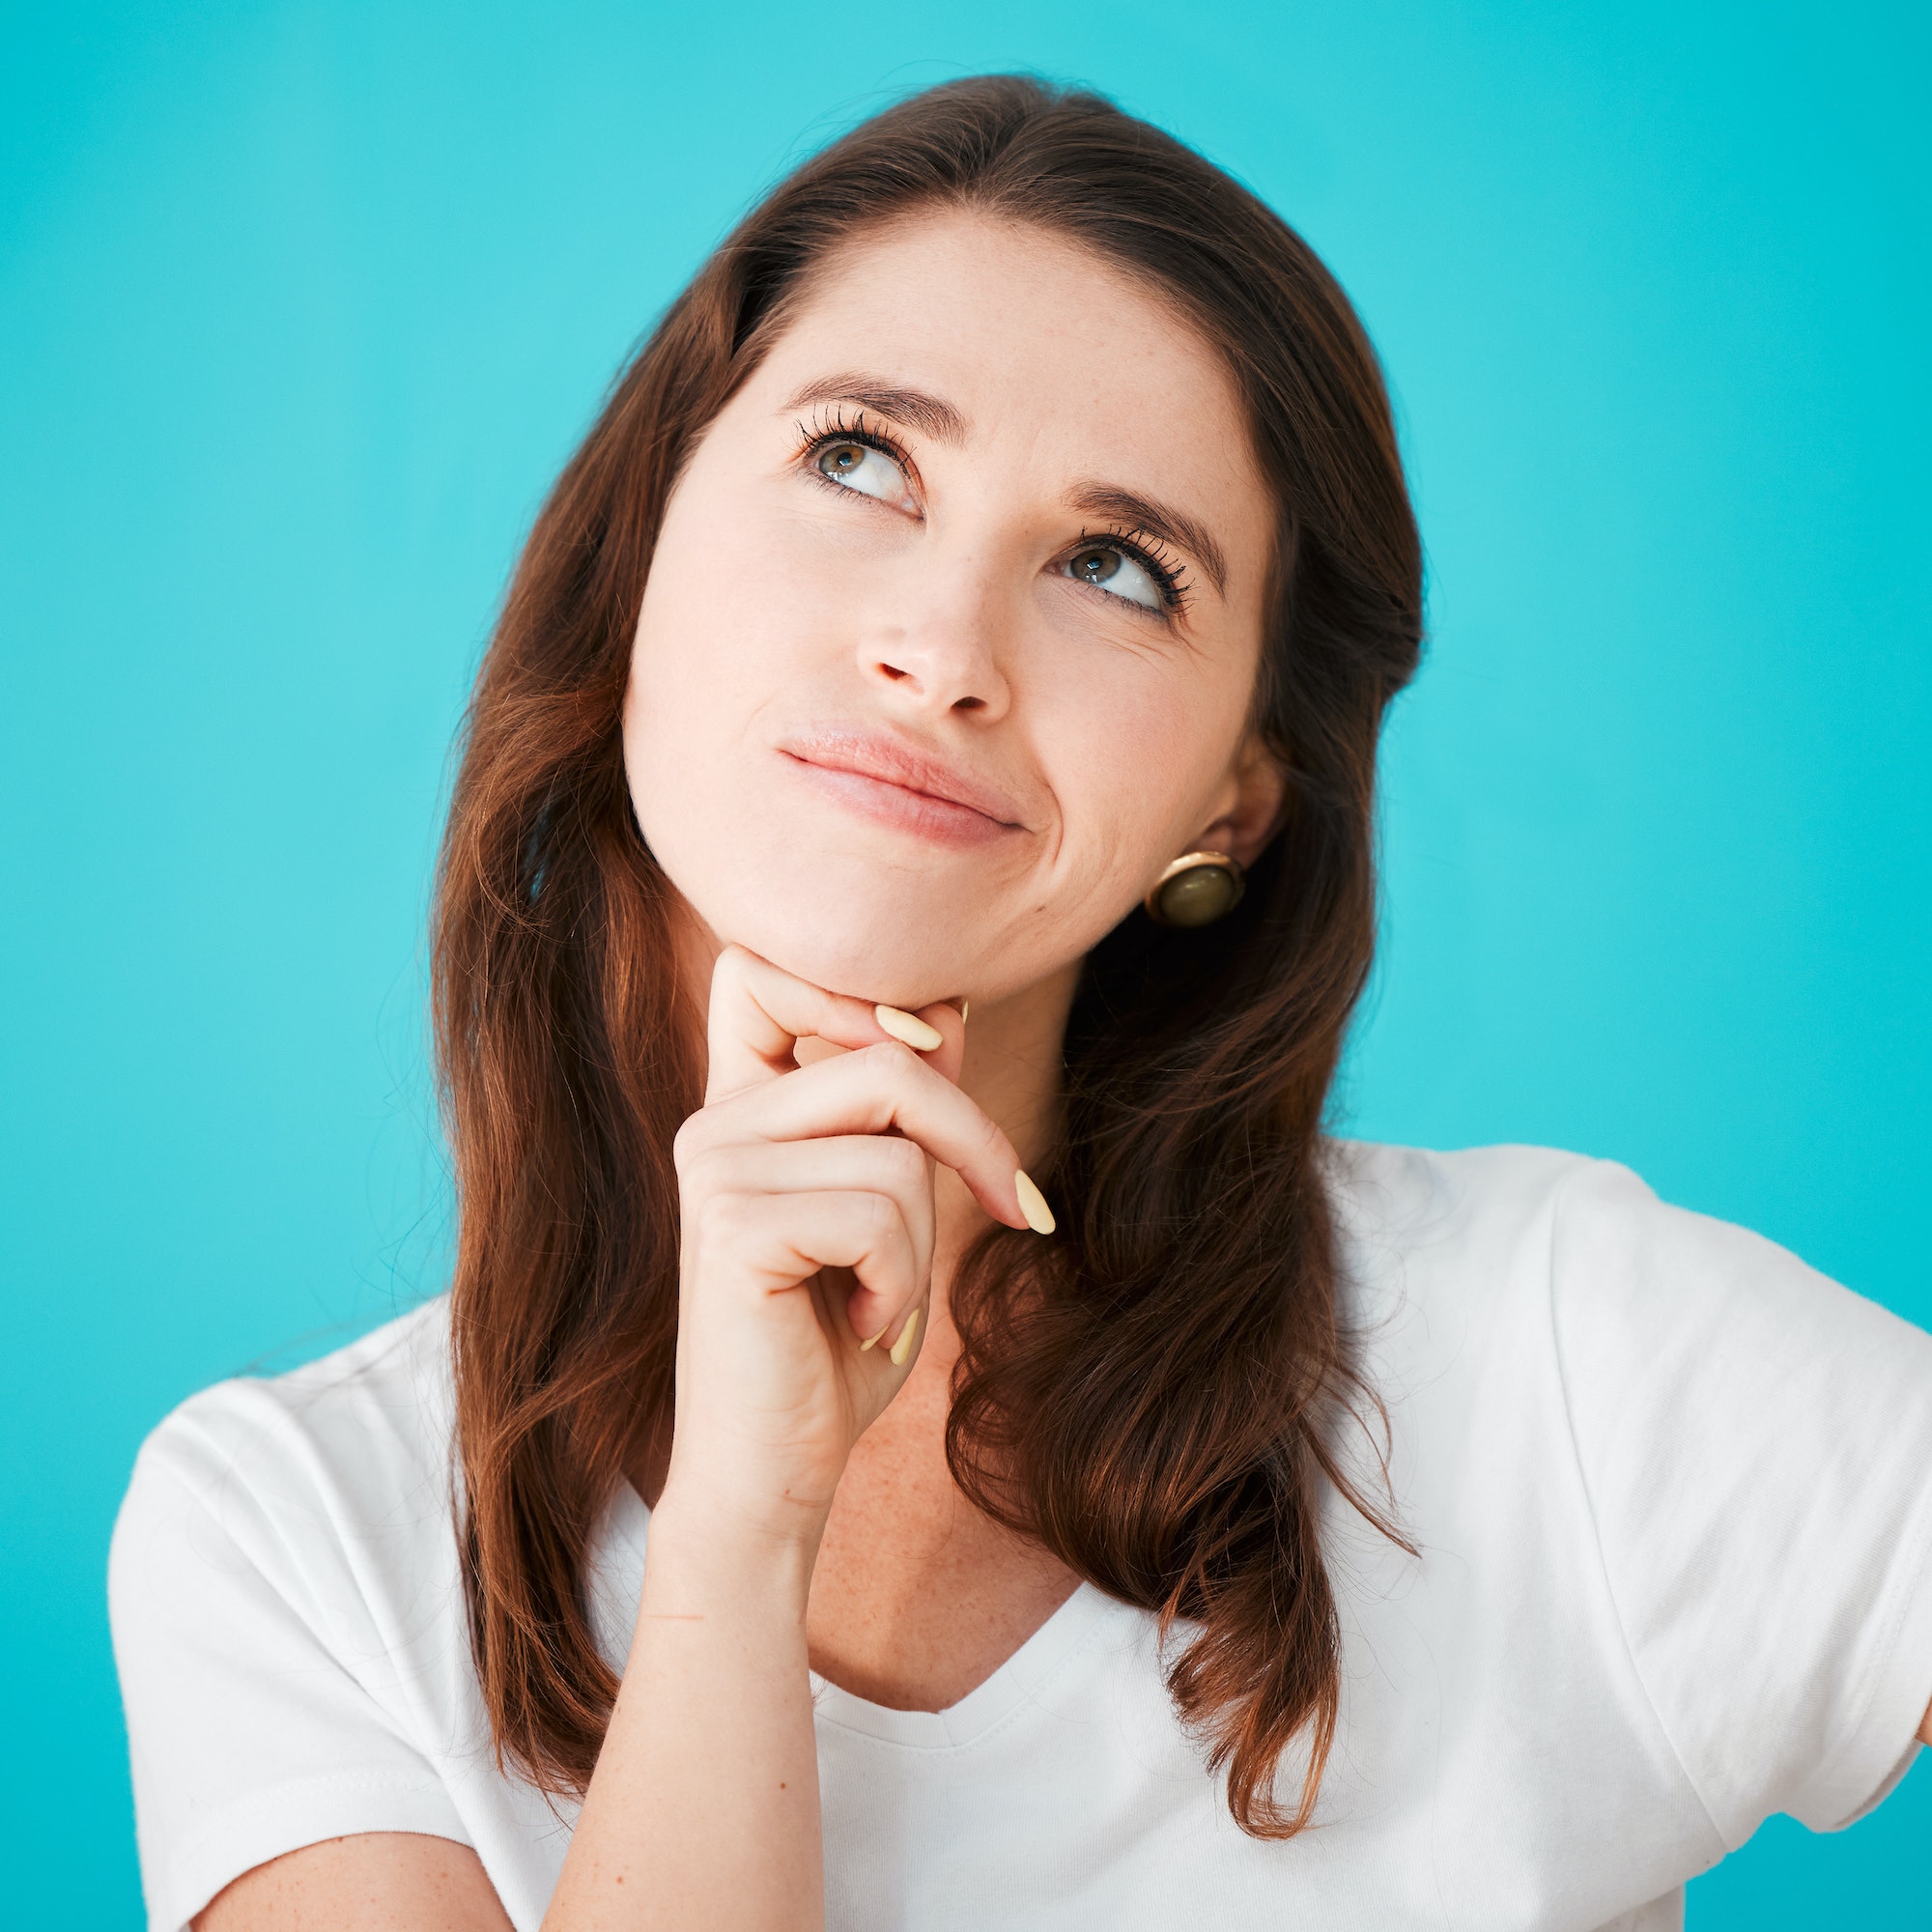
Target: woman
x,y
929,744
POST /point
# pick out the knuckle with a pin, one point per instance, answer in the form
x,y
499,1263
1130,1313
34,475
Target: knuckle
x,y
719,1220
892,1059
904,1161
704,1172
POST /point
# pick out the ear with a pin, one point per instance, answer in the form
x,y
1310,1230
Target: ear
x,y
1250,807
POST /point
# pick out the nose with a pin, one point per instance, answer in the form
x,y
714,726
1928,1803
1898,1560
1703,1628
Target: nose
x,y
940,644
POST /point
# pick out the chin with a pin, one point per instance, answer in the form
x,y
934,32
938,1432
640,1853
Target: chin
x,y
869,943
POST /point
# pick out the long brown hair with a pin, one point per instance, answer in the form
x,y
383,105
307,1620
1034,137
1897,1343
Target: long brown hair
x,y
1153,1394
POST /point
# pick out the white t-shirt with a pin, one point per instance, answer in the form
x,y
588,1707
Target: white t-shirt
x,y
1672,1494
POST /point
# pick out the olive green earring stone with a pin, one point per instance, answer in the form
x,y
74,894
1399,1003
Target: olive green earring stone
x,y
1199,895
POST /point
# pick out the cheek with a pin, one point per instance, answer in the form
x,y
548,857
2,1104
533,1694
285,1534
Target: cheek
x,y
693,662
714,606
1139,755
734,613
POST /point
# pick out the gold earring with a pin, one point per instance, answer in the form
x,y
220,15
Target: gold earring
x,y
1196,890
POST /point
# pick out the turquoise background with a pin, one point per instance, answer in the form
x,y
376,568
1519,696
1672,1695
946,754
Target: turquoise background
x,y
302,306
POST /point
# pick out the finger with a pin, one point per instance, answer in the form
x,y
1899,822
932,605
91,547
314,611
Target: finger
x,y
896,1334
877,1321
904,1346
759,1012
950,1024
839,1163
878,1090
778,1242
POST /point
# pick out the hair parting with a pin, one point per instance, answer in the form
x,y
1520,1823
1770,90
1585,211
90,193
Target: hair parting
x,y
1155,1396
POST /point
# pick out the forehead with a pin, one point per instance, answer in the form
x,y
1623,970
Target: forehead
x,y
1038,342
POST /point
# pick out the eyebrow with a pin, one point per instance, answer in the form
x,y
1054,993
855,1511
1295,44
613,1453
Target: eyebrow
x,y
1158,520
914,407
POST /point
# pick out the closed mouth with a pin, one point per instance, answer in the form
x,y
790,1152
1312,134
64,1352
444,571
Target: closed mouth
x,y
886,761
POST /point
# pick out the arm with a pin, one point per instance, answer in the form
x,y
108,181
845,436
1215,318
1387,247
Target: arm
x,y
807,1199
704,1809
376,1882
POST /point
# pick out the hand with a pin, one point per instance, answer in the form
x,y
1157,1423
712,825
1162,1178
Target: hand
x,y
807,1216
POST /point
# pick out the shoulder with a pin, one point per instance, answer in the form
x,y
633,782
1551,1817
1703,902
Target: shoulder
x,y
1573,1267
1475,1222
287,1611
1425,1192
297,1472
375,1412
1667,1483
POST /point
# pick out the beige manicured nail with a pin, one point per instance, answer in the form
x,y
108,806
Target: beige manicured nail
x,y
1032,1205
965,1006
871,1341
902,1347
908,1027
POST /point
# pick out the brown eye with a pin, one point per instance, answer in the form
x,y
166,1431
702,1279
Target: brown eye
x,y
1115,573
871,472
1093,565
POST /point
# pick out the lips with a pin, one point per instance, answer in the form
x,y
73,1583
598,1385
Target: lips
x,y
889,762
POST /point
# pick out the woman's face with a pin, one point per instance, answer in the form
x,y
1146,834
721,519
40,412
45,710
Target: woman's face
x,y
953,626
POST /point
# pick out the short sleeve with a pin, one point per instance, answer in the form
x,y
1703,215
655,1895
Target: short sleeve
x,y
1757,1445
251,1731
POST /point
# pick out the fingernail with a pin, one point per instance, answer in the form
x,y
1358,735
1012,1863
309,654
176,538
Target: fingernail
x,y
1032,1205
872,1340
902,1347
908,1027
965,1006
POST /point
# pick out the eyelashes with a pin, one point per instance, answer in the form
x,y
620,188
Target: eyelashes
x,y
821,434
1165,572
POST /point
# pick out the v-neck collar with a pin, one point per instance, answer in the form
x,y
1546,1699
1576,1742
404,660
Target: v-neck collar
x,y
1022,1679
616,1580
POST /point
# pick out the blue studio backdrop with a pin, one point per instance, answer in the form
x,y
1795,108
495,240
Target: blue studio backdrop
x,y
302,305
